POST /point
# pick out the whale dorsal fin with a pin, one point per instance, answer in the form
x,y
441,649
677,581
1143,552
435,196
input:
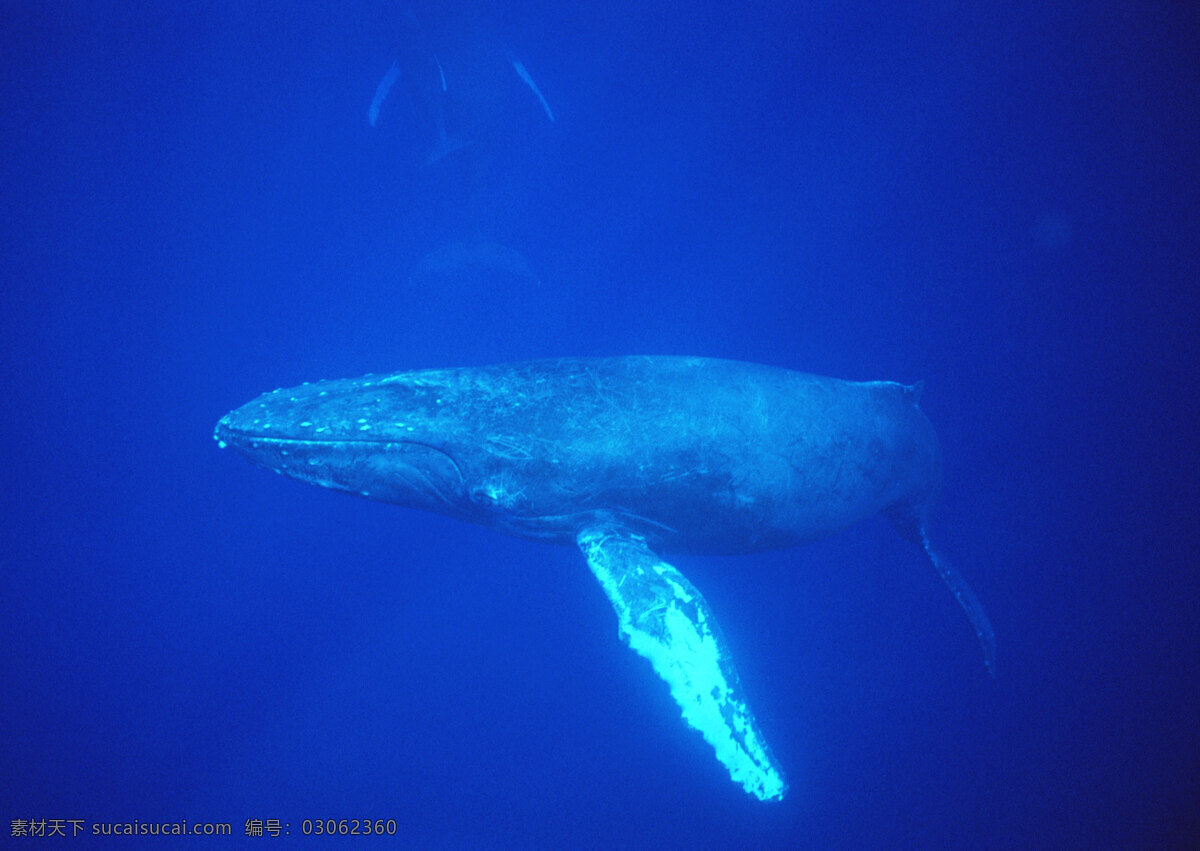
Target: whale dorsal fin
x,y
664,618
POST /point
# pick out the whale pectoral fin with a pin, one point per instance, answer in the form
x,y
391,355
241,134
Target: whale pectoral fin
x,y
664,618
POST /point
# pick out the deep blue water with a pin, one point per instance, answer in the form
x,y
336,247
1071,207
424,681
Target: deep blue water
x,y
1001,199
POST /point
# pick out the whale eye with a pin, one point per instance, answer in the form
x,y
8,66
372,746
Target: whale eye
x,y
487,495
494,494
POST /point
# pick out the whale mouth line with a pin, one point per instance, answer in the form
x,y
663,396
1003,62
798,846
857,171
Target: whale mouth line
x,y
255,440
258,437
225,431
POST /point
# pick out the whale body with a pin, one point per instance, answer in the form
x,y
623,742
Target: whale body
x,y
628,458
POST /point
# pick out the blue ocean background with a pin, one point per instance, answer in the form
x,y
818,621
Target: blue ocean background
x,y
999,199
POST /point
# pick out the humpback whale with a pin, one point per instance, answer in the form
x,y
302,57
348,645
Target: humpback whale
x,y
629,458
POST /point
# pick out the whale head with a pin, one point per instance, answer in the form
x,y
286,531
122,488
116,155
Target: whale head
x,y
374,437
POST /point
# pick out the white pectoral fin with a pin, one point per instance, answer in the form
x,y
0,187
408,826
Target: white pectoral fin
x,y
381,92
664,618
